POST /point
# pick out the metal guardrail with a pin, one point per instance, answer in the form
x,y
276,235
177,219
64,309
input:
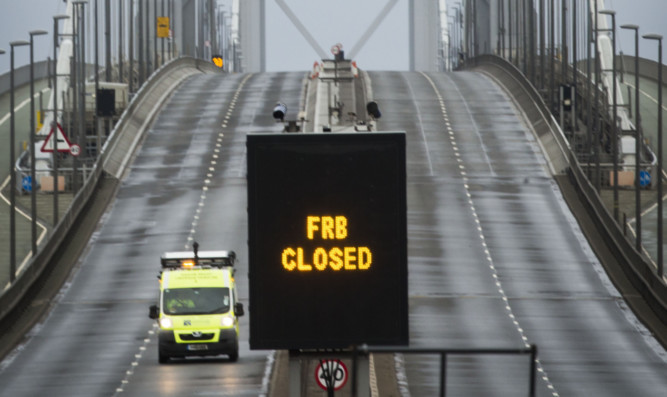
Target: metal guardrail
x,y
444,354
22,169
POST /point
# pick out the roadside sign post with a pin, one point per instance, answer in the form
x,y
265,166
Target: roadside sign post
x,y
644,178
331,375
75,150
56,140
26,183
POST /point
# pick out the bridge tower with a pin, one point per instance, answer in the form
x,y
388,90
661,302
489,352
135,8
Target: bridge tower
x,y
424,33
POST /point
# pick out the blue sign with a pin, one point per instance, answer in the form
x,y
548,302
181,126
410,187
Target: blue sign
x,y
27,183
644,178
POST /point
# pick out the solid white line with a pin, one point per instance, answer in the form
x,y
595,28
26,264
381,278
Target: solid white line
x,y
647,95
2,196
22,104
40,224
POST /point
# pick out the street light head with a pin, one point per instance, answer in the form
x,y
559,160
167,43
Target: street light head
x,y
608,12
37,32
653,36
630,26
60,16
19,43
2,51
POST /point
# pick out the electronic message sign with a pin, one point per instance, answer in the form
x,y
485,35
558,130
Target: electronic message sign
x,y
327,240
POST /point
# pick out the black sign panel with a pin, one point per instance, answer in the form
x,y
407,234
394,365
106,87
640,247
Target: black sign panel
x,y
106,102
327,240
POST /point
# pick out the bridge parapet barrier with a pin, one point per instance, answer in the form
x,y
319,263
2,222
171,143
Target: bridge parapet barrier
x,y
637,268
647,67
22,75
553,142
113,160
140,113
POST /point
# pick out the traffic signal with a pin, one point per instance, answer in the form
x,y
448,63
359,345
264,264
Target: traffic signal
x,y
217,60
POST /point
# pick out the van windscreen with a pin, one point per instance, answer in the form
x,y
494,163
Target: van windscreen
x,y
179,301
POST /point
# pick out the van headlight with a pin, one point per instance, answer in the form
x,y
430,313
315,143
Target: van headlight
x,y
165,322
227,321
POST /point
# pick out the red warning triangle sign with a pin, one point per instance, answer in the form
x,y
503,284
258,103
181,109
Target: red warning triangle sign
x,y
63,143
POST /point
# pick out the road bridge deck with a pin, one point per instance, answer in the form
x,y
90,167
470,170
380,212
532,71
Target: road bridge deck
x,y
481,205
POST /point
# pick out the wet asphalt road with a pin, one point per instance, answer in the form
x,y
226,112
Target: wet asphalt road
x,y
495,257
186,184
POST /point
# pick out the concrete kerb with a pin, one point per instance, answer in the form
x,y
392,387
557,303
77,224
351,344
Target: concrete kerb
x,y
113,160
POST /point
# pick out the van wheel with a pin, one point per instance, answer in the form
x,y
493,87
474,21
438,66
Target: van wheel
x,y
162,358
234,355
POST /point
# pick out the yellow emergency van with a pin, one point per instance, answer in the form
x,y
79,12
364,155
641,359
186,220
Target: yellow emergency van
x,y
198,312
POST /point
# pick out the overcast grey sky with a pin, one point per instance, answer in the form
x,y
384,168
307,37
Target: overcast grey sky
x,y
330,22
17,18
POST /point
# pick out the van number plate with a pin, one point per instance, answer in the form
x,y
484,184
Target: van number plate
x,y
199,346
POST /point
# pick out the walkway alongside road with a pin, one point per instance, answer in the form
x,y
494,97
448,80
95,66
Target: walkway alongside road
x,y
649,122
23,202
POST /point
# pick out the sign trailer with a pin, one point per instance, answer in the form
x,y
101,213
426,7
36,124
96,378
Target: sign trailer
x,y
327,240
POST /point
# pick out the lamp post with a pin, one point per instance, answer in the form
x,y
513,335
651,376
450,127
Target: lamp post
x,y
532,50
552,56
120,41
12,172
589,99
156,62
162,38
457,34
130,49
96,114
461,35
597,131
517,30
150,64
509,30
501,29
575,69
524,35
56,18
79,73
563,43
660,258
449,47
542,43
33,184
614,145
170,46
475,45
140,40
107,41
638,137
